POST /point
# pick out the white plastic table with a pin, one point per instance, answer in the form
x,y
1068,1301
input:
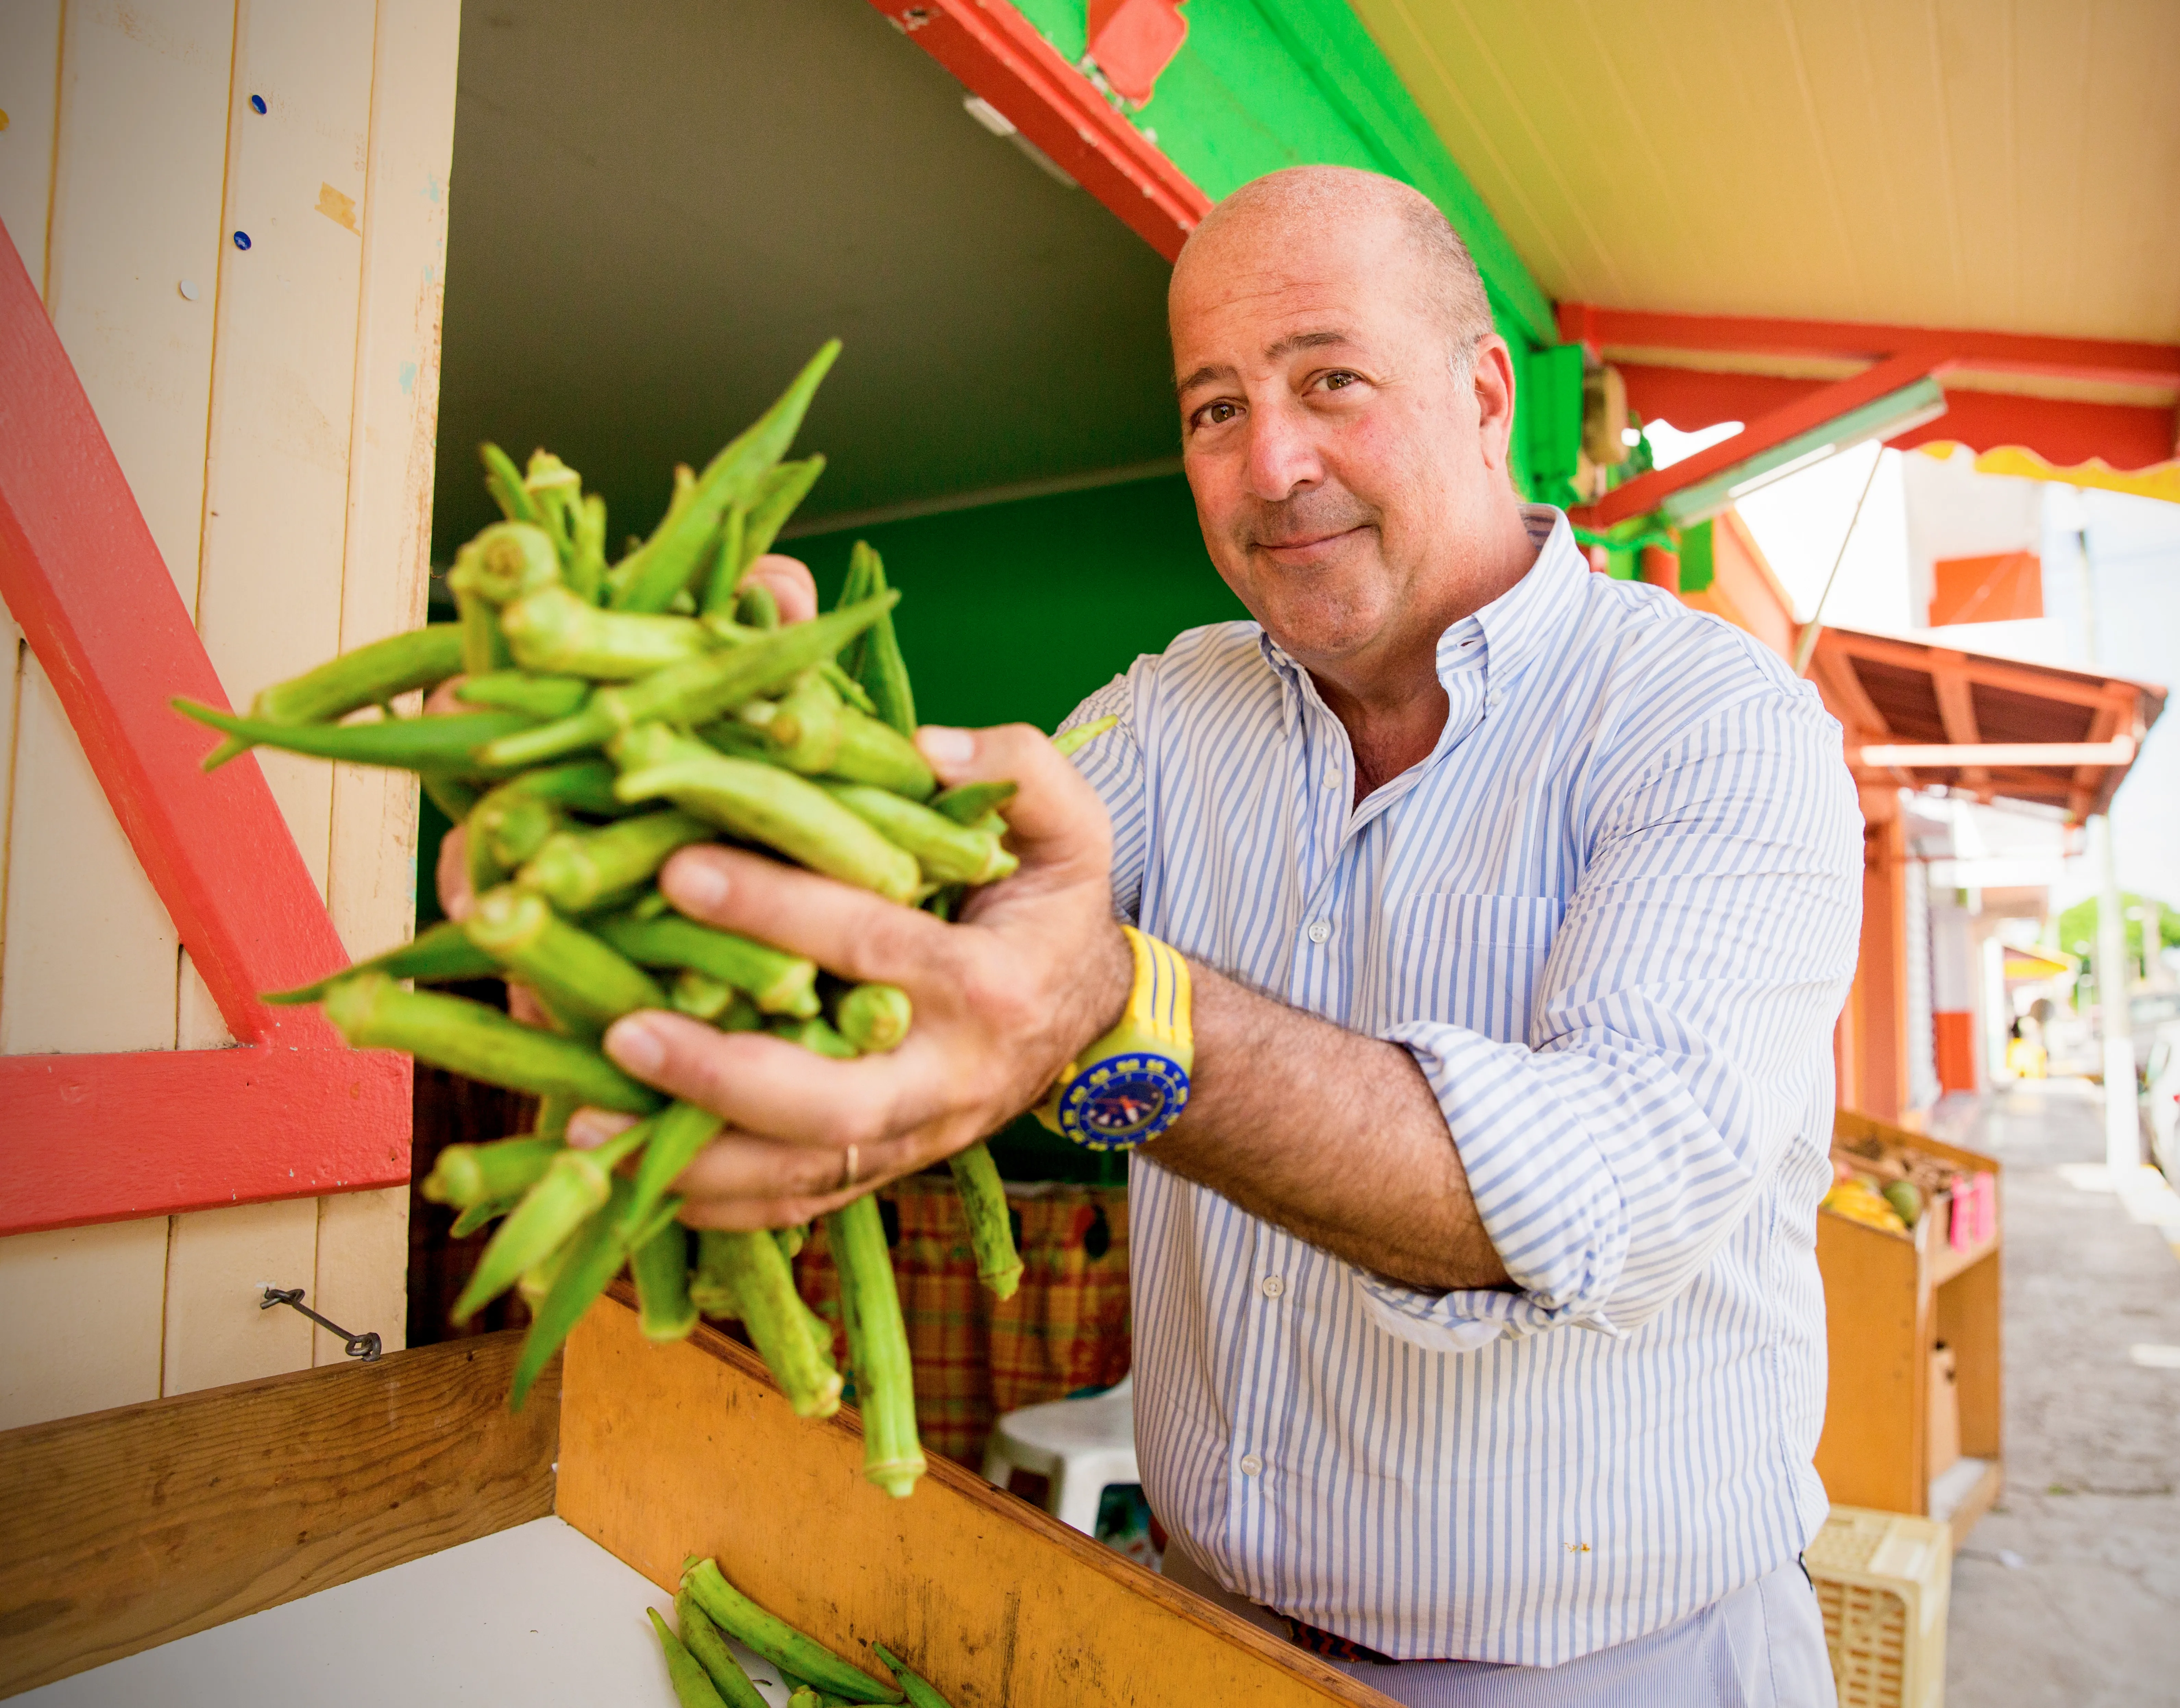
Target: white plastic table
x,y
539,1615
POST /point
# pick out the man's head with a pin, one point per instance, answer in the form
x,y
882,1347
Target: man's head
x,y
1346,409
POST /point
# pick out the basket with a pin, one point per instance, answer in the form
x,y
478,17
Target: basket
x,y
1884,1580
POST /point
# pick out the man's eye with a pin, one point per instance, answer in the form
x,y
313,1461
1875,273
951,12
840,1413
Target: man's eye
x,y
1335,382
1215,415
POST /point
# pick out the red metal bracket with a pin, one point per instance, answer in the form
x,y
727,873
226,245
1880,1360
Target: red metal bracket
x,y
291,1112
997,53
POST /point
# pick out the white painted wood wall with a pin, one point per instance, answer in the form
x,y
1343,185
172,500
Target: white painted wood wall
x,y
274,416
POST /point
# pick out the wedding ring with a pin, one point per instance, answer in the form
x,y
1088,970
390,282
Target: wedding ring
x,y
848,1159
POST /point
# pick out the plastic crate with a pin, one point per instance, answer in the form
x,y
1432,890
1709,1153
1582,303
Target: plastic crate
x,y
1884,1581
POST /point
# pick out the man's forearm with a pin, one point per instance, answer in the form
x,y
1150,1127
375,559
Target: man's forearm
x,y
1334,1136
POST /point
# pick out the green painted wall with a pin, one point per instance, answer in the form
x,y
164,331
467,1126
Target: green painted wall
x,y
1264,83
1013,612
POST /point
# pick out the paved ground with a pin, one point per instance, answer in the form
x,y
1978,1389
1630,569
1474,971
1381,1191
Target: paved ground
x,y
2090,1616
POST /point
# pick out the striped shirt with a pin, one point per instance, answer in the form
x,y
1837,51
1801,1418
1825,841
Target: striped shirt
x,y
1612,916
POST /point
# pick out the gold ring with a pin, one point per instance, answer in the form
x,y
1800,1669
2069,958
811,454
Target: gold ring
x,y
848,1159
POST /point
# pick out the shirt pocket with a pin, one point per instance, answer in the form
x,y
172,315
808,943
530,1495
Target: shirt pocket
x,y
1474,960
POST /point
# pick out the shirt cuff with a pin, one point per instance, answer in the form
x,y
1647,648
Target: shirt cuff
x,y
1466,1320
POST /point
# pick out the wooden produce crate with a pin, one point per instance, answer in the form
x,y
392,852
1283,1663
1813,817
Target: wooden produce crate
x,y
1890,1300
127,1529
1883,1582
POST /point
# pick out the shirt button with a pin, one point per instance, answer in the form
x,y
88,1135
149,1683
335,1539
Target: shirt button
x,y
1319,930
1251,1465
1272,1285
1494,698
1332,779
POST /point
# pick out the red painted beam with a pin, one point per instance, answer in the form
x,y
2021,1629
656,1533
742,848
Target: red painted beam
x,y
2108,361
112,1138
1644,493
291,1112
81,576
997,53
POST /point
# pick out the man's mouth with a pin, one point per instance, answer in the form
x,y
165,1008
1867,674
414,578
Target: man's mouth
x,y
1300,545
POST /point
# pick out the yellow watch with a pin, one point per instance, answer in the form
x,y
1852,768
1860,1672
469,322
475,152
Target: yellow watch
x,y
1132,1084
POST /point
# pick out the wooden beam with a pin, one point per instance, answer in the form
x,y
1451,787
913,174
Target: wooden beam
x,y
2038,682
2096,756
1843,692
131,1528
1957,710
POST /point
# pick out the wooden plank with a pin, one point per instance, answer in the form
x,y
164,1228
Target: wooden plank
x,y
132,1528
1969,1319
1877,1332
54,1283
218,1263
363,1270
666,1451
29,86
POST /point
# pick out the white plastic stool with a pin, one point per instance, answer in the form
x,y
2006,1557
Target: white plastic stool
x,y
1080,1446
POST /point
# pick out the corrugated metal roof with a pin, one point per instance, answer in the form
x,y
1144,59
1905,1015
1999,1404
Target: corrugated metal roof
x,y
2005,167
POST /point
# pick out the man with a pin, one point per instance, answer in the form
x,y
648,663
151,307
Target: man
x,y
1478,1322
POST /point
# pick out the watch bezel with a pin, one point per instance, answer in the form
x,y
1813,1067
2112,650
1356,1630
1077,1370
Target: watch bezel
x,y
1153,1066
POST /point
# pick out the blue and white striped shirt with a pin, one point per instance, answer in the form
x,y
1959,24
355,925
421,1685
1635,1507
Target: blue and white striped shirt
x,y
1613,916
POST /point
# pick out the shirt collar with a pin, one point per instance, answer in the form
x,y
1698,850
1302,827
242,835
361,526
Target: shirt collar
x,y
1517,625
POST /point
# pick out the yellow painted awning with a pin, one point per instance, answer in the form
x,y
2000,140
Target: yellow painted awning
x,y
2159,481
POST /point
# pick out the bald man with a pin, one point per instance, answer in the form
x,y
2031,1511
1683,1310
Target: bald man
x,y
1479,1342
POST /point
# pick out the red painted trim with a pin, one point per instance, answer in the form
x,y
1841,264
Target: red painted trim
x,y
2108,360
87,1138
1644,493
291,1112
998,54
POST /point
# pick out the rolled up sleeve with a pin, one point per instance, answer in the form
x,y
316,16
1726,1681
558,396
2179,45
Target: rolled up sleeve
x,y
1682,1014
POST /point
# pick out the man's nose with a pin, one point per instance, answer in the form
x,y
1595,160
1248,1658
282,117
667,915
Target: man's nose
x,y
1282,458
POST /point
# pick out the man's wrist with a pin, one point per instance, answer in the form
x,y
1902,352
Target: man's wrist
x,y
1111,980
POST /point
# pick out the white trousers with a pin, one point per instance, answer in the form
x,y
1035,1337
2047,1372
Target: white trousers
x,y
1762,1647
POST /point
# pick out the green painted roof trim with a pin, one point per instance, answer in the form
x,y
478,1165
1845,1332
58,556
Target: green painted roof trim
x,y
1264,83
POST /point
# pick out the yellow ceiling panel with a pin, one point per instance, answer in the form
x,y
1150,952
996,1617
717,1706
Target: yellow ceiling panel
x,y
2010,165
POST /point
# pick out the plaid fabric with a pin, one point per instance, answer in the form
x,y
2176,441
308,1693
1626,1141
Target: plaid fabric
x,y
1065,1328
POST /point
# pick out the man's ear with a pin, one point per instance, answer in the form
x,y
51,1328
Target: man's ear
x,y
1492,375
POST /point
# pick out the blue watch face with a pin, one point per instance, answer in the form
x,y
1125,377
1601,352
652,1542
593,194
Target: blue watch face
x,y
1120,1104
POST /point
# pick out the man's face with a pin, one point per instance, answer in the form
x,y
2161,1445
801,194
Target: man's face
x,y
1332,447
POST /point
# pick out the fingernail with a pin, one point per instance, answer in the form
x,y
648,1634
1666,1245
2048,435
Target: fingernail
x,y
588,1128
944,746
696,884
634,1048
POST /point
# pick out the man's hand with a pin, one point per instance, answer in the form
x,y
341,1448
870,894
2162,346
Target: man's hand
x,y
1035,970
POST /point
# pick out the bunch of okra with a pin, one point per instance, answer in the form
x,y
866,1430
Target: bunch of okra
x,y
615,714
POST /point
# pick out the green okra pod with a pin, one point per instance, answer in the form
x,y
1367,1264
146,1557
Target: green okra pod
x,y
467,1174
578,870
661,1268
574,1185
693,692
703,997
752,1271
757,607
775,501
557,492
513,824
702,1639
374,1013
693,1683
484,648
948,853
804,1696
767,1634
712,1289
503,481
760,802
552,1116
452,795
368,675
878,663
399,744
874,753
791,1240
518,691
920,1694
601,1246
725,575
506,562
991,1228
438,953
557,632
481,1215
817,1036
679,1132
971,803
671,558
778,982
873,1018
587,985
1070,741
877,1347
801,728
586,573
580,785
